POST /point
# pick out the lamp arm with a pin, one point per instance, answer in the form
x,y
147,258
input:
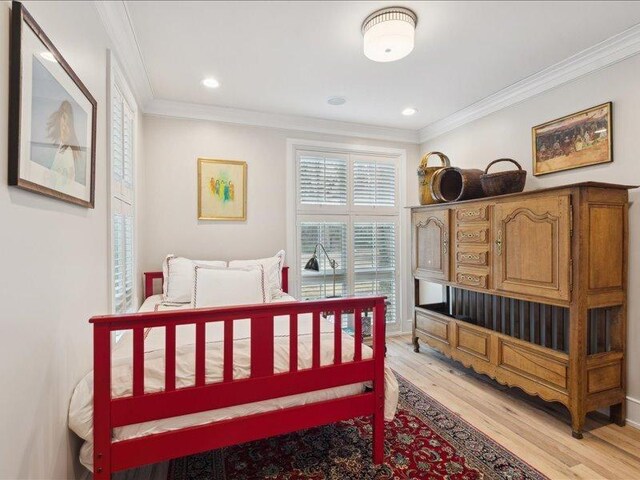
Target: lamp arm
x,y
332,262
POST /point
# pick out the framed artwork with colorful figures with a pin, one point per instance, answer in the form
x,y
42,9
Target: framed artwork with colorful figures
x,y
222,189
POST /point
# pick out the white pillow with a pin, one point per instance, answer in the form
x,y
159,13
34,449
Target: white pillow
x,y
272,267
178,277
216,287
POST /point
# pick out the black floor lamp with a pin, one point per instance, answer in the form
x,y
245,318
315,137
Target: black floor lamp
x,y
312,264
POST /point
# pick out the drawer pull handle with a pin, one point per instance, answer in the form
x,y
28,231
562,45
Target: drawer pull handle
x,y
499,243
472,280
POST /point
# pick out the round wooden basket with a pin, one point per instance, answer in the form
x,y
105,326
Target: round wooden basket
x,y
501,183
453,184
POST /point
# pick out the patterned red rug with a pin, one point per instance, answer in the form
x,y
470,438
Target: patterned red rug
x,y
424,441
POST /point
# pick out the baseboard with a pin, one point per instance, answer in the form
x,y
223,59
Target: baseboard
x,y
633,412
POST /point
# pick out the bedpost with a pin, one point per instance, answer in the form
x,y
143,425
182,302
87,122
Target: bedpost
x,y
101,401
379,326
285,279
149,277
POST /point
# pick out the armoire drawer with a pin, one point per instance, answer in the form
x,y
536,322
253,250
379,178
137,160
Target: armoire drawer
x,y
472,279
472,235
432,326
470,258
472,214
472,341
531,363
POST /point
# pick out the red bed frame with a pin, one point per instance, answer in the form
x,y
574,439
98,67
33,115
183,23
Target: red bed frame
x,y
263,383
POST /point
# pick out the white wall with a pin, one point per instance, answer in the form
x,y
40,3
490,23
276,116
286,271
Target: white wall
x,y
172,147
55,272
507,133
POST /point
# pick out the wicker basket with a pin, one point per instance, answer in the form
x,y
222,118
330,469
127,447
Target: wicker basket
x,y
502,183
425,173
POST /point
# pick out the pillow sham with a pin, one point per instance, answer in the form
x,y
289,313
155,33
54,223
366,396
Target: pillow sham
x,y
272,267
217,287
178,277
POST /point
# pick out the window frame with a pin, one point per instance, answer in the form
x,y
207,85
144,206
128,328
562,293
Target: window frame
x,y
350,214
117,194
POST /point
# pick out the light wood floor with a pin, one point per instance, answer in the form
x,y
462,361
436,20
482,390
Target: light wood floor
x,y
538,433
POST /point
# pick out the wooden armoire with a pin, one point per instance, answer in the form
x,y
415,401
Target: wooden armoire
x,y
534,291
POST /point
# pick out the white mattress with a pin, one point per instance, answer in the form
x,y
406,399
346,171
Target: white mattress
x,y
81,406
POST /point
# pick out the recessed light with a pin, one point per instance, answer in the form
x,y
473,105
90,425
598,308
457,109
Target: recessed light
x,y
48,56
337,101
211,82
409,111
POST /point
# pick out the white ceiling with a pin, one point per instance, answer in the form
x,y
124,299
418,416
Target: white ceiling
x,y
290,57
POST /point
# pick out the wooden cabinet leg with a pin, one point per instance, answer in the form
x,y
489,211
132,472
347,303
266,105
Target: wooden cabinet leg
x,y
416,345
618,414
577,424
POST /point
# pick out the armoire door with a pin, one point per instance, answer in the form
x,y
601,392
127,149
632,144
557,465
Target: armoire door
x,y
431,244
532,247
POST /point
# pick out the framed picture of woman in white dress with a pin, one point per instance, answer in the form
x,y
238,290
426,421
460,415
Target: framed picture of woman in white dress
x,y
52,118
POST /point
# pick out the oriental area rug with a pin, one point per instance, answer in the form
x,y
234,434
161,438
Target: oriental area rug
x,y
424,441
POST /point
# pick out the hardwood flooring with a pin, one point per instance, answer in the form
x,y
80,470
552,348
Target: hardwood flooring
x,y
536,431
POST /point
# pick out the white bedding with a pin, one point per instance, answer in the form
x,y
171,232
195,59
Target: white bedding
x,y
81,406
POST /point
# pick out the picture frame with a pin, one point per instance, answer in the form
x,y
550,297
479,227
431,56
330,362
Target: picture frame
x,y
577,140
52,118
222,189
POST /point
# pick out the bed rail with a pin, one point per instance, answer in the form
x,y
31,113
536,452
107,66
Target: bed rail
x,y
262,384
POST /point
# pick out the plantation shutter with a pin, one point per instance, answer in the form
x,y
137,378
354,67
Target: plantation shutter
x,y
374,261
374,184
127,141
333,235
322,179
122,201
349,203
117,143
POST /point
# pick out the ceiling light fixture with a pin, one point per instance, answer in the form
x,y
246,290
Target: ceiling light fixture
x,y
389,34
409,111
48,56
211,82
337,101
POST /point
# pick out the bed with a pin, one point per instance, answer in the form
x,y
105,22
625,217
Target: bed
x,y
182,380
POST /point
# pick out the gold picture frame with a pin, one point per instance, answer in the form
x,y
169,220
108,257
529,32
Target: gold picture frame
x,y
578,140
222,189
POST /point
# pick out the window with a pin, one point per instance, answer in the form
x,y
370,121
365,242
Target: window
x,y
122,196
349,204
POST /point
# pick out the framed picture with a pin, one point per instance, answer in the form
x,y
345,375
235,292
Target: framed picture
x,y
52,118
577,140
222,189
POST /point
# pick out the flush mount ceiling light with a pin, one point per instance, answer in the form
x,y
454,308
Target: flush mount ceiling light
x,y
409,111
389,34
337,101
211,82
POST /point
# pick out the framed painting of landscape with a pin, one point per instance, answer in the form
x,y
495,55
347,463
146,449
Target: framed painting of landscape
x,y
577,140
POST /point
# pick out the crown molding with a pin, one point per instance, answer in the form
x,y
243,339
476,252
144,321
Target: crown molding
x,y
166,108
117,23
612,50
